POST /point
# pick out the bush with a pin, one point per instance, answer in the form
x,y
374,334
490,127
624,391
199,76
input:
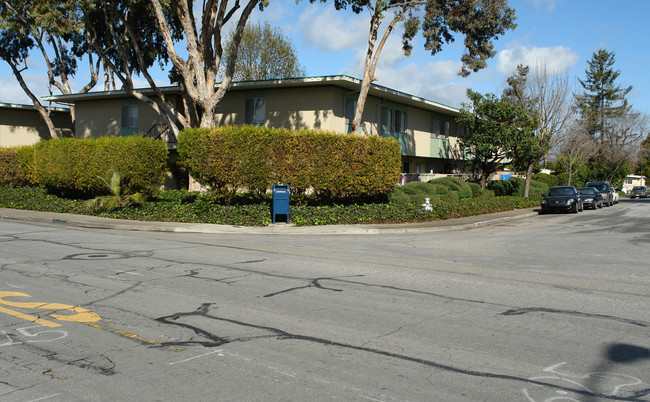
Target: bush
x,y
181,206
455,184
17,166
537,188
577,180
414,193
478,191
514,187
549,180
334,166
73,167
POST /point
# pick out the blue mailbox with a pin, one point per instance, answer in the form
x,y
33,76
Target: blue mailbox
x,y
280,202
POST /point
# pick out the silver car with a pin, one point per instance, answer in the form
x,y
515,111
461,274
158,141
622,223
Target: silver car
x,y
639,191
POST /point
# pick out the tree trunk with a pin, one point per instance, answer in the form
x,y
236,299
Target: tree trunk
x,y
529,174
484,179
370,65
45,115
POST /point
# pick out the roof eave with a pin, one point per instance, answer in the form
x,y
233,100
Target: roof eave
x,y
343,81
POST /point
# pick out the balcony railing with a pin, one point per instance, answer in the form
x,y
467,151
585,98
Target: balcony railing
x,y
163,133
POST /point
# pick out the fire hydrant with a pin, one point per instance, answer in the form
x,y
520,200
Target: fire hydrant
x,y
427,205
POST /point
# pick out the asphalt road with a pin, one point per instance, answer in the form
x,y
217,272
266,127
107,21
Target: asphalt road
x,y
545,308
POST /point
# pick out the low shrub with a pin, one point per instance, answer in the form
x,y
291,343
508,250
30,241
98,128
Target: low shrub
x,y
514,187
537,188
576,180
455,184
38,199
549,180
478,191
181,206
415,192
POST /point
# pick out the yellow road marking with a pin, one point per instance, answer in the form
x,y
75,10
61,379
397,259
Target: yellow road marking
x,y
82,315
123,333
29,317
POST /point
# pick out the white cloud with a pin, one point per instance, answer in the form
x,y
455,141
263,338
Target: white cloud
x,y
12,92
390,57
556,58
437,81
327,29
548,5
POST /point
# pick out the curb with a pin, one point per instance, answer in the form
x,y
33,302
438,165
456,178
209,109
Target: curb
x,y
94,222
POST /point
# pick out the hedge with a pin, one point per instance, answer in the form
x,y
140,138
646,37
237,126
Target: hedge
x,y
181,206
72,167
514,186
17,166
455,184
443,189
334,166
550,180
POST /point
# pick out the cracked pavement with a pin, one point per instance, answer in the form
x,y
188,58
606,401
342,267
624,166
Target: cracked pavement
x,y
452,316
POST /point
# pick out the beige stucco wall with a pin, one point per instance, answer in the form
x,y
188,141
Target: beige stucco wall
x,y
20,127
324,108
315,108
97,118
300,108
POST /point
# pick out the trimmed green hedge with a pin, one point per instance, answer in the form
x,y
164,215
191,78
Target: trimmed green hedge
x,y
443,189
17,166
72,167
549,180
463,188
334,166
514,186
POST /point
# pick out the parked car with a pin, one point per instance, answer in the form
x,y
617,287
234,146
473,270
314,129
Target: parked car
x,y
615,193
591,197
639,191
562,198
605,189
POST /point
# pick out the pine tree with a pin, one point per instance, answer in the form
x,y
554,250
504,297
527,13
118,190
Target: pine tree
x,y
602,99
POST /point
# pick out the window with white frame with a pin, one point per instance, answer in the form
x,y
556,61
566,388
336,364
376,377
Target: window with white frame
x,y
255,111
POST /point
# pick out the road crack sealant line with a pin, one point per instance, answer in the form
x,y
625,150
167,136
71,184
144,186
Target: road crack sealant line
x,y
215,340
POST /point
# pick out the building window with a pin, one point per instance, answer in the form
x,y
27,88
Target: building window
x,y
255,111
435,127
350,110
447,131
130,116
400,121
393,120
386,119
129,120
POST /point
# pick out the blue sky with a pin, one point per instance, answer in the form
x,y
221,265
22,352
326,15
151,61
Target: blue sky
x,y
564,34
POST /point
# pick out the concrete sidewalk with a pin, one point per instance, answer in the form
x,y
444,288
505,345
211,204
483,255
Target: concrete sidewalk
x,y
85,221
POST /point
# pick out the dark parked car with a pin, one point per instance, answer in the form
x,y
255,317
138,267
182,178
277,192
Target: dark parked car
x,y
639,191
605,189
591,197
562,198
